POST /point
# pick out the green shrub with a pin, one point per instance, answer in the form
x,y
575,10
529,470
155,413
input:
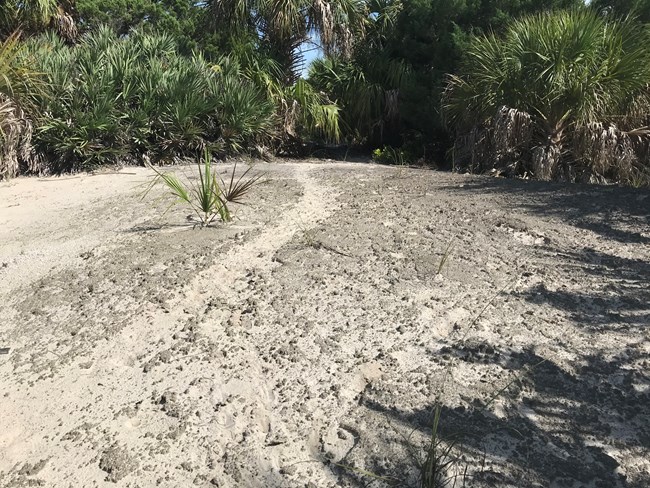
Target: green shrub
x,y
247,113
391,155
136,99
556,97
209,198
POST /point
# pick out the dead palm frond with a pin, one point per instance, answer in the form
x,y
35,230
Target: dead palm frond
x,y
18,87
562,70
15,138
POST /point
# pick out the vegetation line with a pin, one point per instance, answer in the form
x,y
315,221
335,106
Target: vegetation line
x,y
553,89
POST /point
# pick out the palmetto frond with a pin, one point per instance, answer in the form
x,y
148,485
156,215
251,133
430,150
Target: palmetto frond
x,y
310,111
563,67
32,16
285,24
566,70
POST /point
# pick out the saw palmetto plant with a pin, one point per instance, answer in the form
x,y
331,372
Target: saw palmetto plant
x,y
209,197
20,85
565,70
137,99
32,16
308,111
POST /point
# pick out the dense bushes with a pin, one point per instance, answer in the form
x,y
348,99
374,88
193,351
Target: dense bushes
x,y
559,94
112,99
132,99
398,67
557,97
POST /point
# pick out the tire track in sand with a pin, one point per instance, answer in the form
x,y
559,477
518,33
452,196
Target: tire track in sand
x,y
317,203
116,380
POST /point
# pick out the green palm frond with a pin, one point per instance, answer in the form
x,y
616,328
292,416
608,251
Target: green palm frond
x,y
235,191
570,66
284,25
363,90
576,76
312,111
18,80
33,16
210,196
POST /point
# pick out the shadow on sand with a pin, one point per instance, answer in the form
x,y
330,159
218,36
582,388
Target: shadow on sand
x,y
559,435
558,428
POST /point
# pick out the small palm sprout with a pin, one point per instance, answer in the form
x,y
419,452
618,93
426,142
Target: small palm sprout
x,y
210,196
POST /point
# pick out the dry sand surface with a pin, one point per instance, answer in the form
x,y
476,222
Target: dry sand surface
x,y
311,339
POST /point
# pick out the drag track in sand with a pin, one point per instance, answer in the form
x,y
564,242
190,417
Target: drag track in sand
x,y
321,328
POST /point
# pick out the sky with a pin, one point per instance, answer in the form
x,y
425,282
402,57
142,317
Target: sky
x,y
310,54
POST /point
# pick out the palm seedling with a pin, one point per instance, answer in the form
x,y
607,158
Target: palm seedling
x,y
209,198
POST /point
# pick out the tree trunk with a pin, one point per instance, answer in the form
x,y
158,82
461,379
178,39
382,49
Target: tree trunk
x,y
546,158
